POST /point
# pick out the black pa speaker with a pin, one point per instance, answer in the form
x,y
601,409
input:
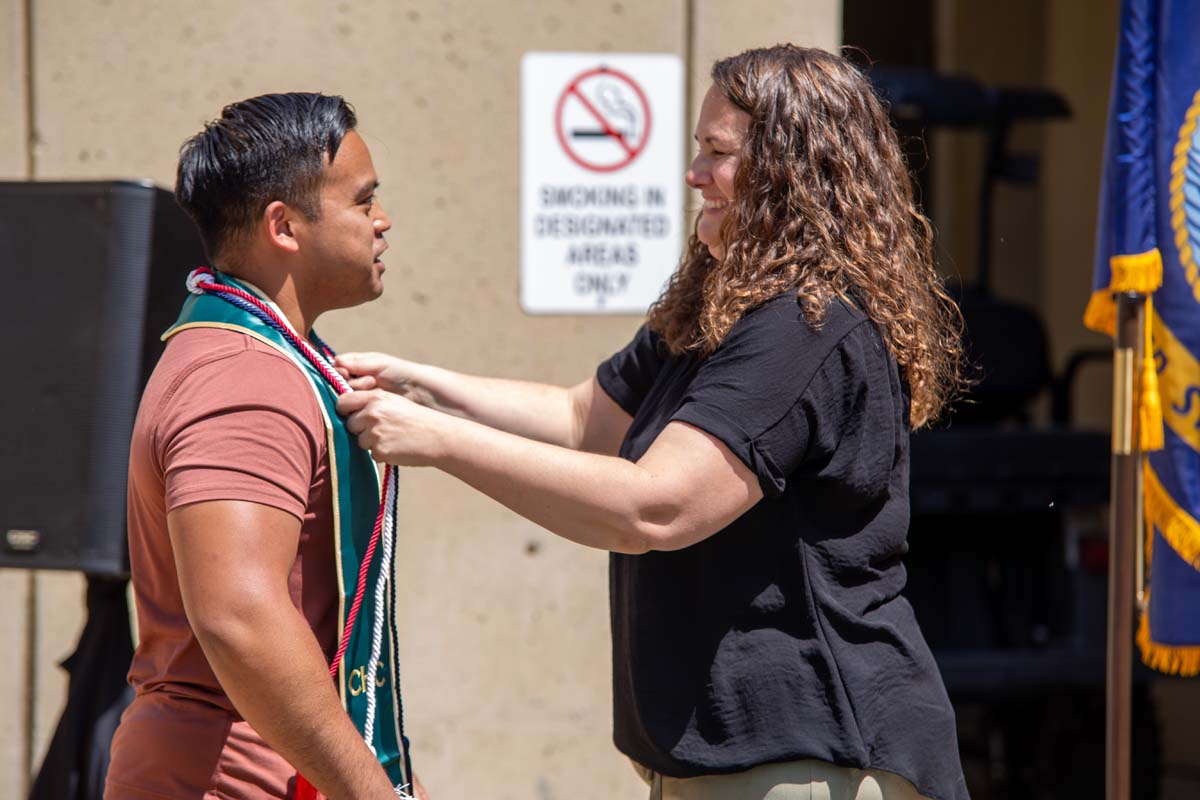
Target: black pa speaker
x,y
90,275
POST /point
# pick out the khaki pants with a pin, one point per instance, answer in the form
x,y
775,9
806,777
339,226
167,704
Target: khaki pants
x,y
808,779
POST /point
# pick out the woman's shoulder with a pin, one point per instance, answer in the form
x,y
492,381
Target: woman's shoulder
x,y
783,320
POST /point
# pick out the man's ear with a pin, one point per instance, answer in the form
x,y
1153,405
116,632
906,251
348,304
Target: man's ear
x,y
279,219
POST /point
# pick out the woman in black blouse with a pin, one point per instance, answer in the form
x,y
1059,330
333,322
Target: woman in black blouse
x,y
744,458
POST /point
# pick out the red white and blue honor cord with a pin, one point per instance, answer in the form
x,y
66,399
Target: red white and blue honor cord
x,y
201,281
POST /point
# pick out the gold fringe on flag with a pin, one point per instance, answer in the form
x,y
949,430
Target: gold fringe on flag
x,y
1140,272
1167,659
1182,532
1177,526
1101,312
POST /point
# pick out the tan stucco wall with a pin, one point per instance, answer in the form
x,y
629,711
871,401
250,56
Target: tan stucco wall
x,y
14,135
723,28
506,656
14,585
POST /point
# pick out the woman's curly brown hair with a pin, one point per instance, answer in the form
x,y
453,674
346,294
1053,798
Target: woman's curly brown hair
x,y
823,205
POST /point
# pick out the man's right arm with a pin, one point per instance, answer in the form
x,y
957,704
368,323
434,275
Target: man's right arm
x,y
233,559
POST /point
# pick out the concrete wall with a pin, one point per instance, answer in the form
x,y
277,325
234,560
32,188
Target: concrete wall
x,y
505,630
14,586
43,611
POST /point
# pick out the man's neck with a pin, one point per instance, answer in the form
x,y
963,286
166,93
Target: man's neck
x,y
280,290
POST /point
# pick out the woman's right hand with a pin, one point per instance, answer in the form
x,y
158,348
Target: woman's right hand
x,y
381,371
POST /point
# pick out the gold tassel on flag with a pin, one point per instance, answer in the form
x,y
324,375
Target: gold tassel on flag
x,y
1141,273
1150,419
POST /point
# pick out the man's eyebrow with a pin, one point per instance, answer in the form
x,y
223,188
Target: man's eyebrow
x,y
367,188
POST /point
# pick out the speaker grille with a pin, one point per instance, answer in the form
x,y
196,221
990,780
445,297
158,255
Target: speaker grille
x,y
76,265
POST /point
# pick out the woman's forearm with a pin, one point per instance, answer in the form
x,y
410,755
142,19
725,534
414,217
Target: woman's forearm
x,y
594,500
532,410
684,488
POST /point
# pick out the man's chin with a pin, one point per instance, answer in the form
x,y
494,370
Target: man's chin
x,y
366,294
372,291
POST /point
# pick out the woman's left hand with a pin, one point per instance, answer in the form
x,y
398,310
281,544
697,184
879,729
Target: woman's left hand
x,y
395,429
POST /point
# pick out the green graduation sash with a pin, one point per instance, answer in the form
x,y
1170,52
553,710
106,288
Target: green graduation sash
x,y
355,484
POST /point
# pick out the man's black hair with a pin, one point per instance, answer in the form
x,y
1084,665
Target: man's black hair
x,y
271,147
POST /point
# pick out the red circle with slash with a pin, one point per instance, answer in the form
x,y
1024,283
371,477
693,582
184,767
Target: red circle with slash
x,y
628,150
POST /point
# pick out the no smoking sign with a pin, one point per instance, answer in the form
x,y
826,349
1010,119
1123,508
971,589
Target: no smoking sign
x,y
601,180
603,120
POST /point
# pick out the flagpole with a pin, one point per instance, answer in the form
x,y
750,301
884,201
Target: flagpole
x,y
1122,543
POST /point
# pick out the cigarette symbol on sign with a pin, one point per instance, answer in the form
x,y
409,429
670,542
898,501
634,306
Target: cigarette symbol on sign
x,y
602,120
618,116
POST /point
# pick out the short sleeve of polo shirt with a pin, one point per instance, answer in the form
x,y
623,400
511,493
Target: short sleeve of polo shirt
x,y
780,393
244,424
629,374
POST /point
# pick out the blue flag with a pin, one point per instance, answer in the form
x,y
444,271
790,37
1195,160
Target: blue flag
x,y
1149,241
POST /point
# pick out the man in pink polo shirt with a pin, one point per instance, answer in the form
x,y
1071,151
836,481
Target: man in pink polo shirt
x,y
230,495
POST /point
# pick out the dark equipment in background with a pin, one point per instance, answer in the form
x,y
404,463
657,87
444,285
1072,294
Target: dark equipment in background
x,y
1006,573
93,274
76,763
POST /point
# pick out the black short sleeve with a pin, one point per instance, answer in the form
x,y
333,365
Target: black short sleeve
x,y
778,392
629,374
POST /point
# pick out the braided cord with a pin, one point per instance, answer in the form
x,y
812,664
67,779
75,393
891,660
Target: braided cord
x,y
389,539
198,281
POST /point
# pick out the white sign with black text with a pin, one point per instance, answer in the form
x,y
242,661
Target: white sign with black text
x,y
601,180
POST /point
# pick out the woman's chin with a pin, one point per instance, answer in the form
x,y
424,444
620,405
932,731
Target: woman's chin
x,y
710,236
